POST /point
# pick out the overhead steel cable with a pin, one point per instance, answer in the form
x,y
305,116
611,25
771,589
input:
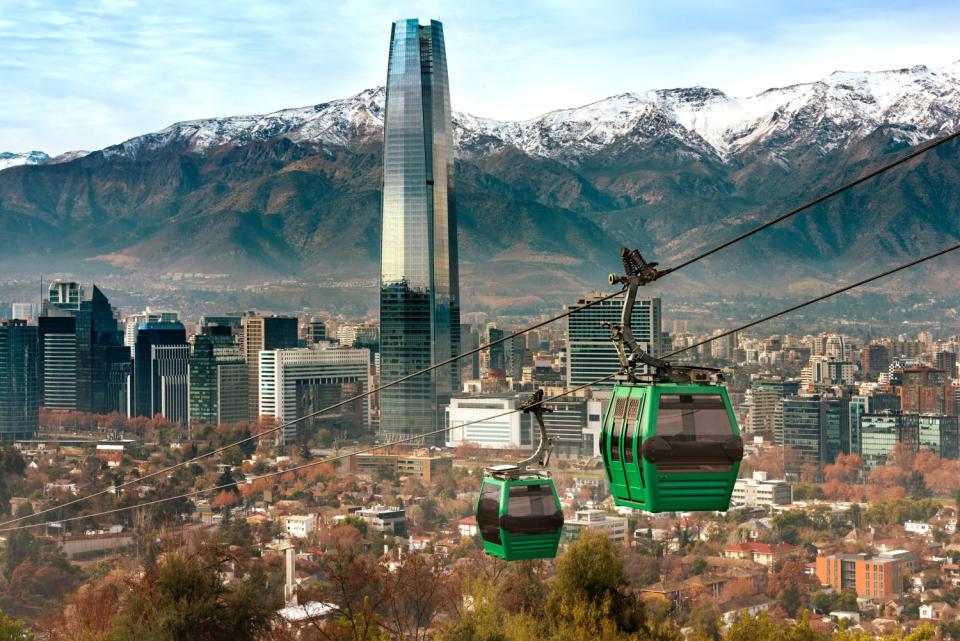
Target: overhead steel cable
x,y
221,449
816,201
913,154
501,414
329,459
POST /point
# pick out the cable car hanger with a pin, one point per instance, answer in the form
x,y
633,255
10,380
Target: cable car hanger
x,y
541,456
637,273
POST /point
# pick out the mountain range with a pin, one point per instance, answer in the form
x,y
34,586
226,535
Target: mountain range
x,y
543,204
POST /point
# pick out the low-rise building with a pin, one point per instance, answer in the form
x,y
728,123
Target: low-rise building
x,y
390,520
875,577
763,553
423,465
760,491
615,527
300,526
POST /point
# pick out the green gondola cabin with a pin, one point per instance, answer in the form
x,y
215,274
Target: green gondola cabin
x,y
519,515
671,447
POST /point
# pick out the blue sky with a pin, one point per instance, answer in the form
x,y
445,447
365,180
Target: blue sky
x,y
86,74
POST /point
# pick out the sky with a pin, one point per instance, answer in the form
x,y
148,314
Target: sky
x,y
86,74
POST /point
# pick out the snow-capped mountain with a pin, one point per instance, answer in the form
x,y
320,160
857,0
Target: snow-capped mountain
x,y
296,192
12,159
916,103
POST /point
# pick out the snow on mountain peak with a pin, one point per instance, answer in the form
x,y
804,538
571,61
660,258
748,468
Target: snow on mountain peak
x,y
917,102
13,159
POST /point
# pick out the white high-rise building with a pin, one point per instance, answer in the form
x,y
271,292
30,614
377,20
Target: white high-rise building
x,y
146,316
22,311
298,381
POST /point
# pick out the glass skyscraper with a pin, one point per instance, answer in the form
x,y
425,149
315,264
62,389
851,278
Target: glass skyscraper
x,y
419,295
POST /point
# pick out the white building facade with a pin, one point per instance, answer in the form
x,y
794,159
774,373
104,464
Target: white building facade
x,y
282,369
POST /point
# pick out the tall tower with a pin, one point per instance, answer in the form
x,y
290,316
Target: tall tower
x,y
419,280
19,402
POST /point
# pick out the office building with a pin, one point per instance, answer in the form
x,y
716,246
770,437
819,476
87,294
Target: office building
x,y
218,378
761,491
161,371
474,420
224,320
496,354
22,311
947,362
259,333
880,433
295,383
57,362
19,398
316,330
874,360
590,352
766,409
940,434
874,577
79,372
170,365
816,428
419,279
469,340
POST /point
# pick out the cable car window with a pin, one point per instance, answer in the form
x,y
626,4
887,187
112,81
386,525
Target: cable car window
x,y
693,418
633,407
532,509
619,408
488,513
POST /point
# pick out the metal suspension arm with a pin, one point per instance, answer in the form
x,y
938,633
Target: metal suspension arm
x,y
637,272
541,456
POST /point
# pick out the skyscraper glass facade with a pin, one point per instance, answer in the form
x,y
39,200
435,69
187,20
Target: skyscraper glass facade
x,y
19,401
419,296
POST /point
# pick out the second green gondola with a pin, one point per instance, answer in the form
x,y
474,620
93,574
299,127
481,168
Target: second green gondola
x,y
518,513
519,517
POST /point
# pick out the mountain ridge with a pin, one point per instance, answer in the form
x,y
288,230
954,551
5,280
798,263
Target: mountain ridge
x,y
543,203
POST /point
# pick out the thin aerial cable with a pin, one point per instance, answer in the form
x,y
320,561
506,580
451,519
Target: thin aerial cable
x,y
175,466
329,459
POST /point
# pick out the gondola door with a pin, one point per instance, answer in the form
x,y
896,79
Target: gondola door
x,y
630,437
613,442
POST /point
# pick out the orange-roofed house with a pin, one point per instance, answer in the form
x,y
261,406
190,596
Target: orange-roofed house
x,y
763,553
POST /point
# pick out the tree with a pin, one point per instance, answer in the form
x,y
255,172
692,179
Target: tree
x,y
415,592
12,630
789,584
590,578
184,599
759,628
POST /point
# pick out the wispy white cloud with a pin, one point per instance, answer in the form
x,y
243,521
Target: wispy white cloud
x,y
87,74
